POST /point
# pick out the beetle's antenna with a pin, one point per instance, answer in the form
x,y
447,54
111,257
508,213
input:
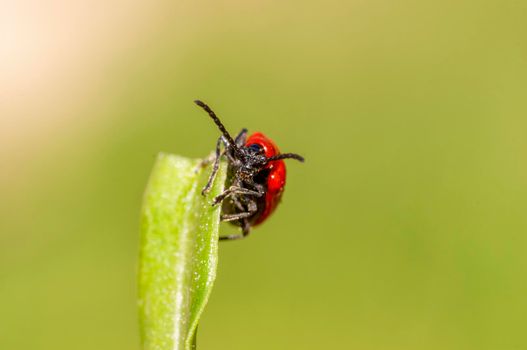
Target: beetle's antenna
x,y
286,156
217,122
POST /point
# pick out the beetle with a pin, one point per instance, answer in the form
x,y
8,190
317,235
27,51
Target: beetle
x,y
255,177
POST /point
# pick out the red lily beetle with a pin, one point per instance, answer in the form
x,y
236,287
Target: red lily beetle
x,y
256,177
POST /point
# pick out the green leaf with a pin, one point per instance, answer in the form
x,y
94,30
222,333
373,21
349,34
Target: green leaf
x,y
179,251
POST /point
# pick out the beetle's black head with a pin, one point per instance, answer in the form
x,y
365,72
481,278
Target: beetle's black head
x,y
252,159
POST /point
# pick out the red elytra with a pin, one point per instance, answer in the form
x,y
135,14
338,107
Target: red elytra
x,y
275,178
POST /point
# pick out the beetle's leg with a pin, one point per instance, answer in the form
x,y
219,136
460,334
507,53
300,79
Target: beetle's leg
x,y
236,190
244,234
237,203
241,138
259,187
215,167
230,154
246,229
251,210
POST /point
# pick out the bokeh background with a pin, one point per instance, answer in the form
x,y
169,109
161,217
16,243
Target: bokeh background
x,y
405,229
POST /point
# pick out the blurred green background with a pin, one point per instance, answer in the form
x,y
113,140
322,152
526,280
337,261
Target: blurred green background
x,y
405,229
